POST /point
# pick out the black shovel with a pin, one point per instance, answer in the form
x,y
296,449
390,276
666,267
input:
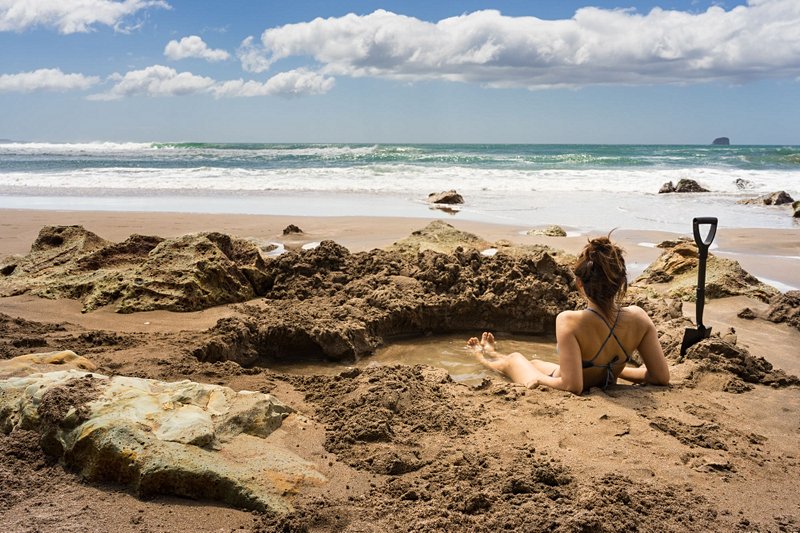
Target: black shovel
x,y
692,336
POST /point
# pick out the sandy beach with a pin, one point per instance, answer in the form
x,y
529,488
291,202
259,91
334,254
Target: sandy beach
x,y
715,451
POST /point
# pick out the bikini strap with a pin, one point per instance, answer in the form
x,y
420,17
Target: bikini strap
x,y
610,334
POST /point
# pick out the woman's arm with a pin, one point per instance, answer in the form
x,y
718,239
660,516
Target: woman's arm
x,y
569,357
656,370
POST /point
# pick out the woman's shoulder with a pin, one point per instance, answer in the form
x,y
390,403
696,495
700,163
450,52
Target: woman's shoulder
x,y
637,313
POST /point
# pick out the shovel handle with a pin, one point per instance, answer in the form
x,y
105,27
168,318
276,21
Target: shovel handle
x,y
702,247
712,231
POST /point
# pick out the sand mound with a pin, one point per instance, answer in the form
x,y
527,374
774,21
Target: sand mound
x,y
379,428
327,302
674,274
140,274
785,308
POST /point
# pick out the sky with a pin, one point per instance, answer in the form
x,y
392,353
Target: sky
x,y
514,71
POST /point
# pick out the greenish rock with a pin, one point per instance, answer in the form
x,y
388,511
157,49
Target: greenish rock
x,y
549,231
195,440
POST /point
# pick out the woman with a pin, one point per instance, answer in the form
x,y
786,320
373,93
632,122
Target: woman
x,y
595,344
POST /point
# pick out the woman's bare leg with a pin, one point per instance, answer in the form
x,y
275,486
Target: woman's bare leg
x,y
514,366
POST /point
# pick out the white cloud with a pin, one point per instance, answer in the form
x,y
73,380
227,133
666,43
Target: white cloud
x,y
252,57
595,46
299,82
193,46
156,80
45,79
70,16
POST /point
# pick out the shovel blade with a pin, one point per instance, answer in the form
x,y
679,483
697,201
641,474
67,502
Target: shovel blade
x,y
692,336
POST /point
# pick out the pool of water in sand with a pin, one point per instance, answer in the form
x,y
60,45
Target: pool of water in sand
x,y
449,352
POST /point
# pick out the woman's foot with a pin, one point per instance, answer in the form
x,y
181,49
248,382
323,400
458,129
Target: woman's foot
x,y
474,345
487,343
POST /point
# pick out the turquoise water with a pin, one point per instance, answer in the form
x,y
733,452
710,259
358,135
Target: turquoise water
x,y
521,184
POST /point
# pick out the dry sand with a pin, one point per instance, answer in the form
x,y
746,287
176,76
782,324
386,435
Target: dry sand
x,y
691,457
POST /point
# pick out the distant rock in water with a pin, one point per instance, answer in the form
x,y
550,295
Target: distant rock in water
x,y
684,185
445,197
743,184
722,141
775,198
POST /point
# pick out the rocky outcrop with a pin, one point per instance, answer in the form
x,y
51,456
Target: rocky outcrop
x,y
796,209
721,141
775,198
674,274
186,439
140,274
684,185
549,231
445,197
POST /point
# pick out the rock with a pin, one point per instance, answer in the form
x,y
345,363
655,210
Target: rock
x,y
25,365
291,228
775,198
687,185
796,209
185,439
684,185
549,231
743,184
785,308
676,267
667,188
721,141
445,197
143,273
438,236
747,314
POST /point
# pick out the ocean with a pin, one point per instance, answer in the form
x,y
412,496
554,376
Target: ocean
x,y
576,186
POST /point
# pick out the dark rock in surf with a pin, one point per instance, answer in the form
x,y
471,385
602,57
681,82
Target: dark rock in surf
x,y
687,185
684,185
445,197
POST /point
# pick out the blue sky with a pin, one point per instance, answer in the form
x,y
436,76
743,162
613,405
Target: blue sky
x,y
357,71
